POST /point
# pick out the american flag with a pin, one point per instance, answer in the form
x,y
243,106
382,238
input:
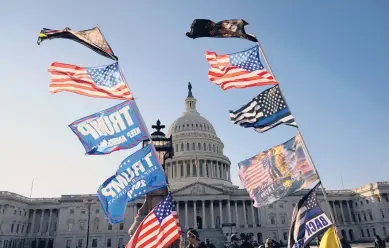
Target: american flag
x,y
99,82
238,70
159,229
264,112
306,210
255,172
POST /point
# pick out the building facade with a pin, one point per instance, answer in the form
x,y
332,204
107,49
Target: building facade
x,y
200,179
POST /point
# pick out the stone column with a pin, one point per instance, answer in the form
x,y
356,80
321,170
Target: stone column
x,y
177,207
342,212
236,214
185,168
50,219
204,164
229,211
204,222
349,211
212,216
221,211
191,168
244,214
335,212
259,216
41,223
33,221
194,215
229,173
252,214
186,215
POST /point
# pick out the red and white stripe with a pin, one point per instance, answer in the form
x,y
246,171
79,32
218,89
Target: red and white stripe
x,y
227,76
65,77
152,234
255,175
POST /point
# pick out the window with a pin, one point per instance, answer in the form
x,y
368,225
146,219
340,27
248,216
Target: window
x,y
283,219
96,225
68,243
94,242
374,232
272,219
70,225
364,216
281,205
17,228
97,210
362,233
209,147
367,201
187,146
382,213
22,229
368,232
370,215
108,242
71,211
83,211
12,227
25,213
193,146
359,217
199,146
182,147
109,226
15,212
214,149
120,243
285,236
356,204
82,225
20,213
361,203
270,205
205,147
176,147
121,226
79,244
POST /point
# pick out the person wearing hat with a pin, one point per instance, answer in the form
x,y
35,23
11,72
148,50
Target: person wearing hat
x,y
194,240
234,241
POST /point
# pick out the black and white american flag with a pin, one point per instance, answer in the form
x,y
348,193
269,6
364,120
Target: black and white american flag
x,y
264,112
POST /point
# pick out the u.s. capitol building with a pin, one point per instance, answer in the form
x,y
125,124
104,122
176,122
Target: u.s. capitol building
x,y
199,176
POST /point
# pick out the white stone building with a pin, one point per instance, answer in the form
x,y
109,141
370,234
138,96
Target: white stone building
x,y
199,176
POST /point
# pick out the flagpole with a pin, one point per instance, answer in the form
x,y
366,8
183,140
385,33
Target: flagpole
x,y
304,145
32,185
143,122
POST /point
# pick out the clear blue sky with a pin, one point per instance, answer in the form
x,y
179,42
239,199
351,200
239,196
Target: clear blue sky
x,y
330,57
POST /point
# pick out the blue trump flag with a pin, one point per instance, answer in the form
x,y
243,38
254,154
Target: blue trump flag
x,y
119,127
137,175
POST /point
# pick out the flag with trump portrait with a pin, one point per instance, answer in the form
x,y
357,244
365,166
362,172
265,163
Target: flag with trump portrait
x,y
276,173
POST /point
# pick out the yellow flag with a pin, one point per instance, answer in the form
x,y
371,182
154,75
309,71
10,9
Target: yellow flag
x,y
329,239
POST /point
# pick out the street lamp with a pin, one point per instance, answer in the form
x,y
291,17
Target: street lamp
x,y
88,202
164,148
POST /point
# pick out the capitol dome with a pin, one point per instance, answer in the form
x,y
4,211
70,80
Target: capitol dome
x,y
198,151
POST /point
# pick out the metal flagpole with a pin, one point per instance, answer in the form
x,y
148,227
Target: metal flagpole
x,y
32,185
304,146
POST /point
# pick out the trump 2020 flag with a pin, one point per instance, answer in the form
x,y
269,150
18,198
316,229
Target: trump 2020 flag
x,y
137,175
119,127
100,82
308,221
264,112
238,70
277,172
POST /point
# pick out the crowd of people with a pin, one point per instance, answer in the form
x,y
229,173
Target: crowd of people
x,y
245,241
